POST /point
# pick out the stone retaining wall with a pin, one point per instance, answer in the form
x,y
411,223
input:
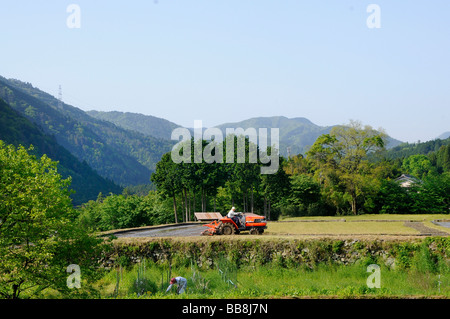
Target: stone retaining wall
x,y
284,253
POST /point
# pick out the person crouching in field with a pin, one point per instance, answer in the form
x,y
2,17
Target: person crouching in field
x,y
181,284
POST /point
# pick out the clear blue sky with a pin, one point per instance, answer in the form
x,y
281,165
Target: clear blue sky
x,y
228,60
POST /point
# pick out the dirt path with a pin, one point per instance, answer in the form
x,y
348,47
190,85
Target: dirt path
x,y
425,230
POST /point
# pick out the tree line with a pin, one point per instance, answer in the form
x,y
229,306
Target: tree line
x,y
347,171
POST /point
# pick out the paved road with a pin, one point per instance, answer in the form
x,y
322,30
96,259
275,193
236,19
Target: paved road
x,y
424,230
170,231
445,224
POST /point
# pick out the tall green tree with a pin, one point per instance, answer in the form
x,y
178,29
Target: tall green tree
x,y
304,190
444,158
275,188
419,165
39,238
168,180
244,174
393,198
340,159
297,164
432,195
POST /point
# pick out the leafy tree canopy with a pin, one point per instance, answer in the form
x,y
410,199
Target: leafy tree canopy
x,y
341,159
38,236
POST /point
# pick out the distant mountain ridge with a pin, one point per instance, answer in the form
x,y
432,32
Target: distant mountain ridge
x,y
145,124
444,135
105,151
17,130
404,150
125,147
296,134
124,156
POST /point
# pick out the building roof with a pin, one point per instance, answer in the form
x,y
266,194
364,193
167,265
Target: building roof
x,y
406,180
207,216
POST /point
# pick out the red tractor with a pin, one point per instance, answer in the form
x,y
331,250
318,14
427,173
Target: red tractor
x,y
255,224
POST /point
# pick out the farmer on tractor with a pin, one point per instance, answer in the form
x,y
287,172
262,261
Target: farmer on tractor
x,y
234,216
235,222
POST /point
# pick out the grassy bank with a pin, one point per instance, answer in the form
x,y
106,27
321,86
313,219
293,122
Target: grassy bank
x,y
271,281
244,267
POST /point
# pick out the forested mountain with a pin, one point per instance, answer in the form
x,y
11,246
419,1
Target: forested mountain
x,y
17,130
124,156
145,124
297,134
125,147
406,149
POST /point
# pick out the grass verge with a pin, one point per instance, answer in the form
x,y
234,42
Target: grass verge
x,y
270,281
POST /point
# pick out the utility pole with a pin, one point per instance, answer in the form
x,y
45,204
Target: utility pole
x,y
60,98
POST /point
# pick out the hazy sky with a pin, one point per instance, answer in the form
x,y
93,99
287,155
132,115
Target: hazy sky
x,y
228,60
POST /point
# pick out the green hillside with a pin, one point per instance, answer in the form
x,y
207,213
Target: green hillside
x,y
124,156
145,124
297,134
425,148
17,130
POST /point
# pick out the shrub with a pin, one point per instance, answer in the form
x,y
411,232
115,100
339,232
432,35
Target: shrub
x,y
141,286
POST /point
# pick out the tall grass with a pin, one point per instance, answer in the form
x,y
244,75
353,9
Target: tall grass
x,y
425,278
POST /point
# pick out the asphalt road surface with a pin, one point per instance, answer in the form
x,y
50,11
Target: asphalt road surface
x,y
170,231
445,224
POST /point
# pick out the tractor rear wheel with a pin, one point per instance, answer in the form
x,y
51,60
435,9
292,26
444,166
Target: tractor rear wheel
x,y
227,230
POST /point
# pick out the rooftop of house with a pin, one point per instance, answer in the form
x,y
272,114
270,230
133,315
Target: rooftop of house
x,y
406,180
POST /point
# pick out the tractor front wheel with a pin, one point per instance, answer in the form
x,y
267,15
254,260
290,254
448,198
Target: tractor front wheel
x,y
227,230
